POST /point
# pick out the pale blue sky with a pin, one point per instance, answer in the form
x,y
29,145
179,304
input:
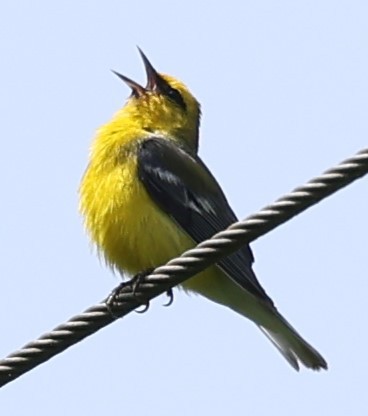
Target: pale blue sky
x,y
283,87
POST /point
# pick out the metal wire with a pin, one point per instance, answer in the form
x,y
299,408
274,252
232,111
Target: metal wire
x,y
181,268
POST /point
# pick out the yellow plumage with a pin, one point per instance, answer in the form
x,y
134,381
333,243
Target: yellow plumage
x,y
119,214
131,233
129,230
146,197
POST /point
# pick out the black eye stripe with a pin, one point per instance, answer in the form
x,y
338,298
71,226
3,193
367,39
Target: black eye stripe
x,y
172,93
175,96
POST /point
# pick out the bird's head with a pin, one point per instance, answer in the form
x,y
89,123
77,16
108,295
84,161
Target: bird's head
x,y
164,107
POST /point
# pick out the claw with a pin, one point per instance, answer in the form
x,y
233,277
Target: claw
x,y
112,298
137,279
145,309
170,295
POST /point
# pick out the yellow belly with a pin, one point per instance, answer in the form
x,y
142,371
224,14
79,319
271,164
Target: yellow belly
x,y
131,232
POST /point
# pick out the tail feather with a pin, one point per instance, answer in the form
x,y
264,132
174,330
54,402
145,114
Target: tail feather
x,y
264,314
283,348
292,346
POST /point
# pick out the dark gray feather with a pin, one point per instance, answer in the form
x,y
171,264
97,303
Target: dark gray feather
x,y
183,187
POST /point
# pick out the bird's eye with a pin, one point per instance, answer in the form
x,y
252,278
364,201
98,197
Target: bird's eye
x,y
175,96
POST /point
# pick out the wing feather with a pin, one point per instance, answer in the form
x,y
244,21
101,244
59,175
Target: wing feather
x,y
183,187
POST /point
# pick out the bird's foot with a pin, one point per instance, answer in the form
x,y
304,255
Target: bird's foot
x,y
137,279
170,295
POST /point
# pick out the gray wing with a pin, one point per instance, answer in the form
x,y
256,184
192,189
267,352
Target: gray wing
x,y
183,187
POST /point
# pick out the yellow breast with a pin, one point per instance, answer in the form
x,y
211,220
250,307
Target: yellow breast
x,y
130,231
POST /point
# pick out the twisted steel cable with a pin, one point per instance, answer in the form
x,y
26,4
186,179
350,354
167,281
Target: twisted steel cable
x,y
181,268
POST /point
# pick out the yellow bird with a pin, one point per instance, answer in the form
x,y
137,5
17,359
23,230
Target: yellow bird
x,y
146,196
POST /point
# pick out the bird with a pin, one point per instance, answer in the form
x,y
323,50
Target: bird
x,y
146,196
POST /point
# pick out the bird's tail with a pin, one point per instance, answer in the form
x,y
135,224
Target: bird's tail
x,y
291,345
285,338
278,330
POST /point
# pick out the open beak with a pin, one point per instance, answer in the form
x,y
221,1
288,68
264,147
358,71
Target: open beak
x,y
152,75
152,78
137,90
